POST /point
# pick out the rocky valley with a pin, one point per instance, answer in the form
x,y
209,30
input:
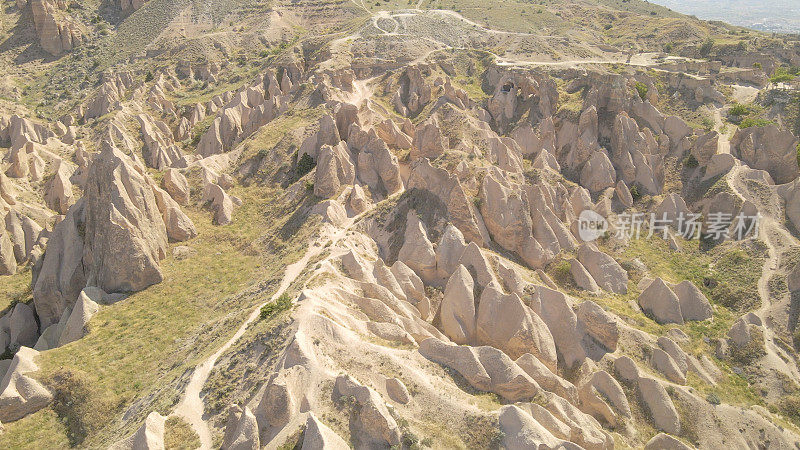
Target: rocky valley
x,y
331,224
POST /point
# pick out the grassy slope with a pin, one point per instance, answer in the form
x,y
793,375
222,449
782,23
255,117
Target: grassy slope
x,y
16,288
735,268
140,350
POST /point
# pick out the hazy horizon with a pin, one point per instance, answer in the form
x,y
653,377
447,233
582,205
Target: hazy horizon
x,y
782,16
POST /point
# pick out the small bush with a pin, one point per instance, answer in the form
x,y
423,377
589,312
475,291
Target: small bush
x,y
739,110
692,162
782,75
798,154
705,49
271,309
713,399
635,192
149,77
755,122
304,165
642,89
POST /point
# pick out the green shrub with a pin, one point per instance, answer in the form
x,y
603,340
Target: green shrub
x,y
713,399
692,162
82,409
642,89
798,154
271,309
304,165
755,122
708,123
782,75
739,110
149,77
635,192
705,49
178,434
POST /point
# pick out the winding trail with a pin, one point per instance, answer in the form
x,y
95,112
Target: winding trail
x,y
774,237
191,406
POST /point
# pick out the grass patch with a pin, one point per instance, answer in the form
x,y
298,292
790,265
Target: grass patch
x,y
179,435
81,408
15,288
39,430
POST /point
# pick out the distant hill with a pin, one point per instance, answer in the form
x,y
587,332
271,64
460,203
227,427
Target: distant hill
x,y
781,16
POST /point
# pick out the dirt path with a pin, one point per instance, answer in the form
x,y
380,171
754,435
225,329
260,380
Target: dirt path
x,y
724,143
191,406
774,237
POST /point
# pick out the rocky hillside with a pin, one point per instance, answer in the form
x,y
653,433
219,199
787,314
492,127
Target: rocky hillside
x,y
334,224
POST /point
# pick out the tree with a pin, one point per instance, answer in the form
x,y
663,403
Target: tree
x,y
705,49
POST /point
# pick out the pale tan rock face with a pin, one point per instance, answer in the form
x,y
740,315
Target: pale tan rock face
x,y
661,303
768,148
428,141
335,169
20,394
8,263
598,324
125,233
598,173
241,431
504,322
608,274
149,436
458,307
417,251
75,326
662,410
62,275
160,151
486,368
317,435
58,192
376,423
113,238
56,31
176,185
